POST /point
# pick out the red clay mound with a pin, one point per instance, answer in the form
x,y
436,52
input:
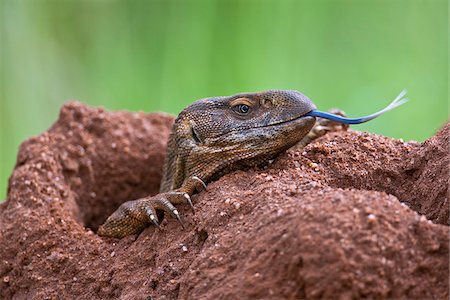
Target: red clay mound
x,y
323,222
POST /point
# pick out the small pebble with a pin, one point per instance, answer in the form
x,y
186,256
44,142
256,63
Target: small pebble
x,y
184,248
313,165
6,279
371,217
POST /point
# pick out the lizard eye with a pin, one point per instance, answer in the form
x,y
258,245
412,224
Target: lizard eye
x,y
242,109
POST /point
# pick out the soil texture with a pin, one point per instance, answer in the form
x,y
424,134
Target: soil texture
x,y
352,215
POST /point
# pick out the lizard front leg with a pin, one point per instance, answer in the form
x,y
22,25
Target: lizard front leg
x,y
133,216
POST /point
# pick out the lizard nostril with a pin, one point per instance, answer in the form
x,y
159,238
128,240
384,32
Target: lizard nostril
x,y
195,135
267,103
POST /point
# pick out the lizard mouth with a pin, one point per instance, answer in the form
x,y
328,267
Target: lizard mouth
x,y
302,117
302,120
284,123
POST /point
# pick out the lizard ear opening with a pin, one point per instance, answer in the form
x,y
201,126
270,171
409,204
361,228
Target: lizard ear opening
x,y
195,136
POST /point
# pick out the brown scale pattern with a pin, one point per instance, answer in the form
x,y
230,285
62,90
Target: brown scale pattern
x,y
212,137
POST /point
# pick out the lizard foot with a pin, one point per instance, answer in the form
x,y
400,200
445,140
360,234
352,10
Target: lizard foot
x,y
133,216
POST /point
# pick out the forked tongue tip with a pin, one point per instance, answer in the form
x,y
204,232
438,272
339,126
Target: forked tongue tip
x,y
399,100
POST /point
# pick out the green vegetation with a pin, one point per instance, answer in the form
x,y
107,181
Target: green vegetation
x,y
161,55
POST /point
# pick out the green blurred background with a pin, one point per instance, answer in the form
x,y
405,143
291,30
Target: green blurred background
x,y
161,55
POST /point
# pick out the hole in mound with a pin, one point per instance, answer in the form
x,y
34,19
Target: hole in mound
x,y
153,284
108,159
99,187
202,236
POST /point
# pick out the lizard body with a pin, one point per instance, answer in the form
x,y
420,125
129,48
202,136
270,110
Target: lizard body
x,y
214,136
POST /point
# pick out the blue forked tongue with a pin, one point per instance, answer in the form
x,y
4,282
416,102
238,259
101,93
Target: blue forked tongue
x,y
397,102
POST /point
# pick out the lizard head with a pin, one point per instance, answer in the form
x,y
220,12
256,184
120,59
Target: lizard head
x,y
246,125
215,135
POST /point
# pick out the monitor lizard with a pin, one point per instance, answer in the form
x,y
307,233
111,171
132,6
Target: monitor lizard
x,y
214,136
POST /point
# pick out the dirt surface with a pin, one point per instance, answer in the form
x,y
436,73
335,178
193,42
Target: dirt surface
x,y
352,215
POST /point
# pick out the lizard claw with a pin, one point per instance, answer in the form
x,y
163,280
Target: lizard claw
x,y
153,219
189,202
177,215
202,185
164,202
180,197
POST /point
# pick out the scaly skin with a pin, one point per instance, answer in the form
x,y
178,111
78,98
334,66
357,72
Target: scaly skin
x,y
212,137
